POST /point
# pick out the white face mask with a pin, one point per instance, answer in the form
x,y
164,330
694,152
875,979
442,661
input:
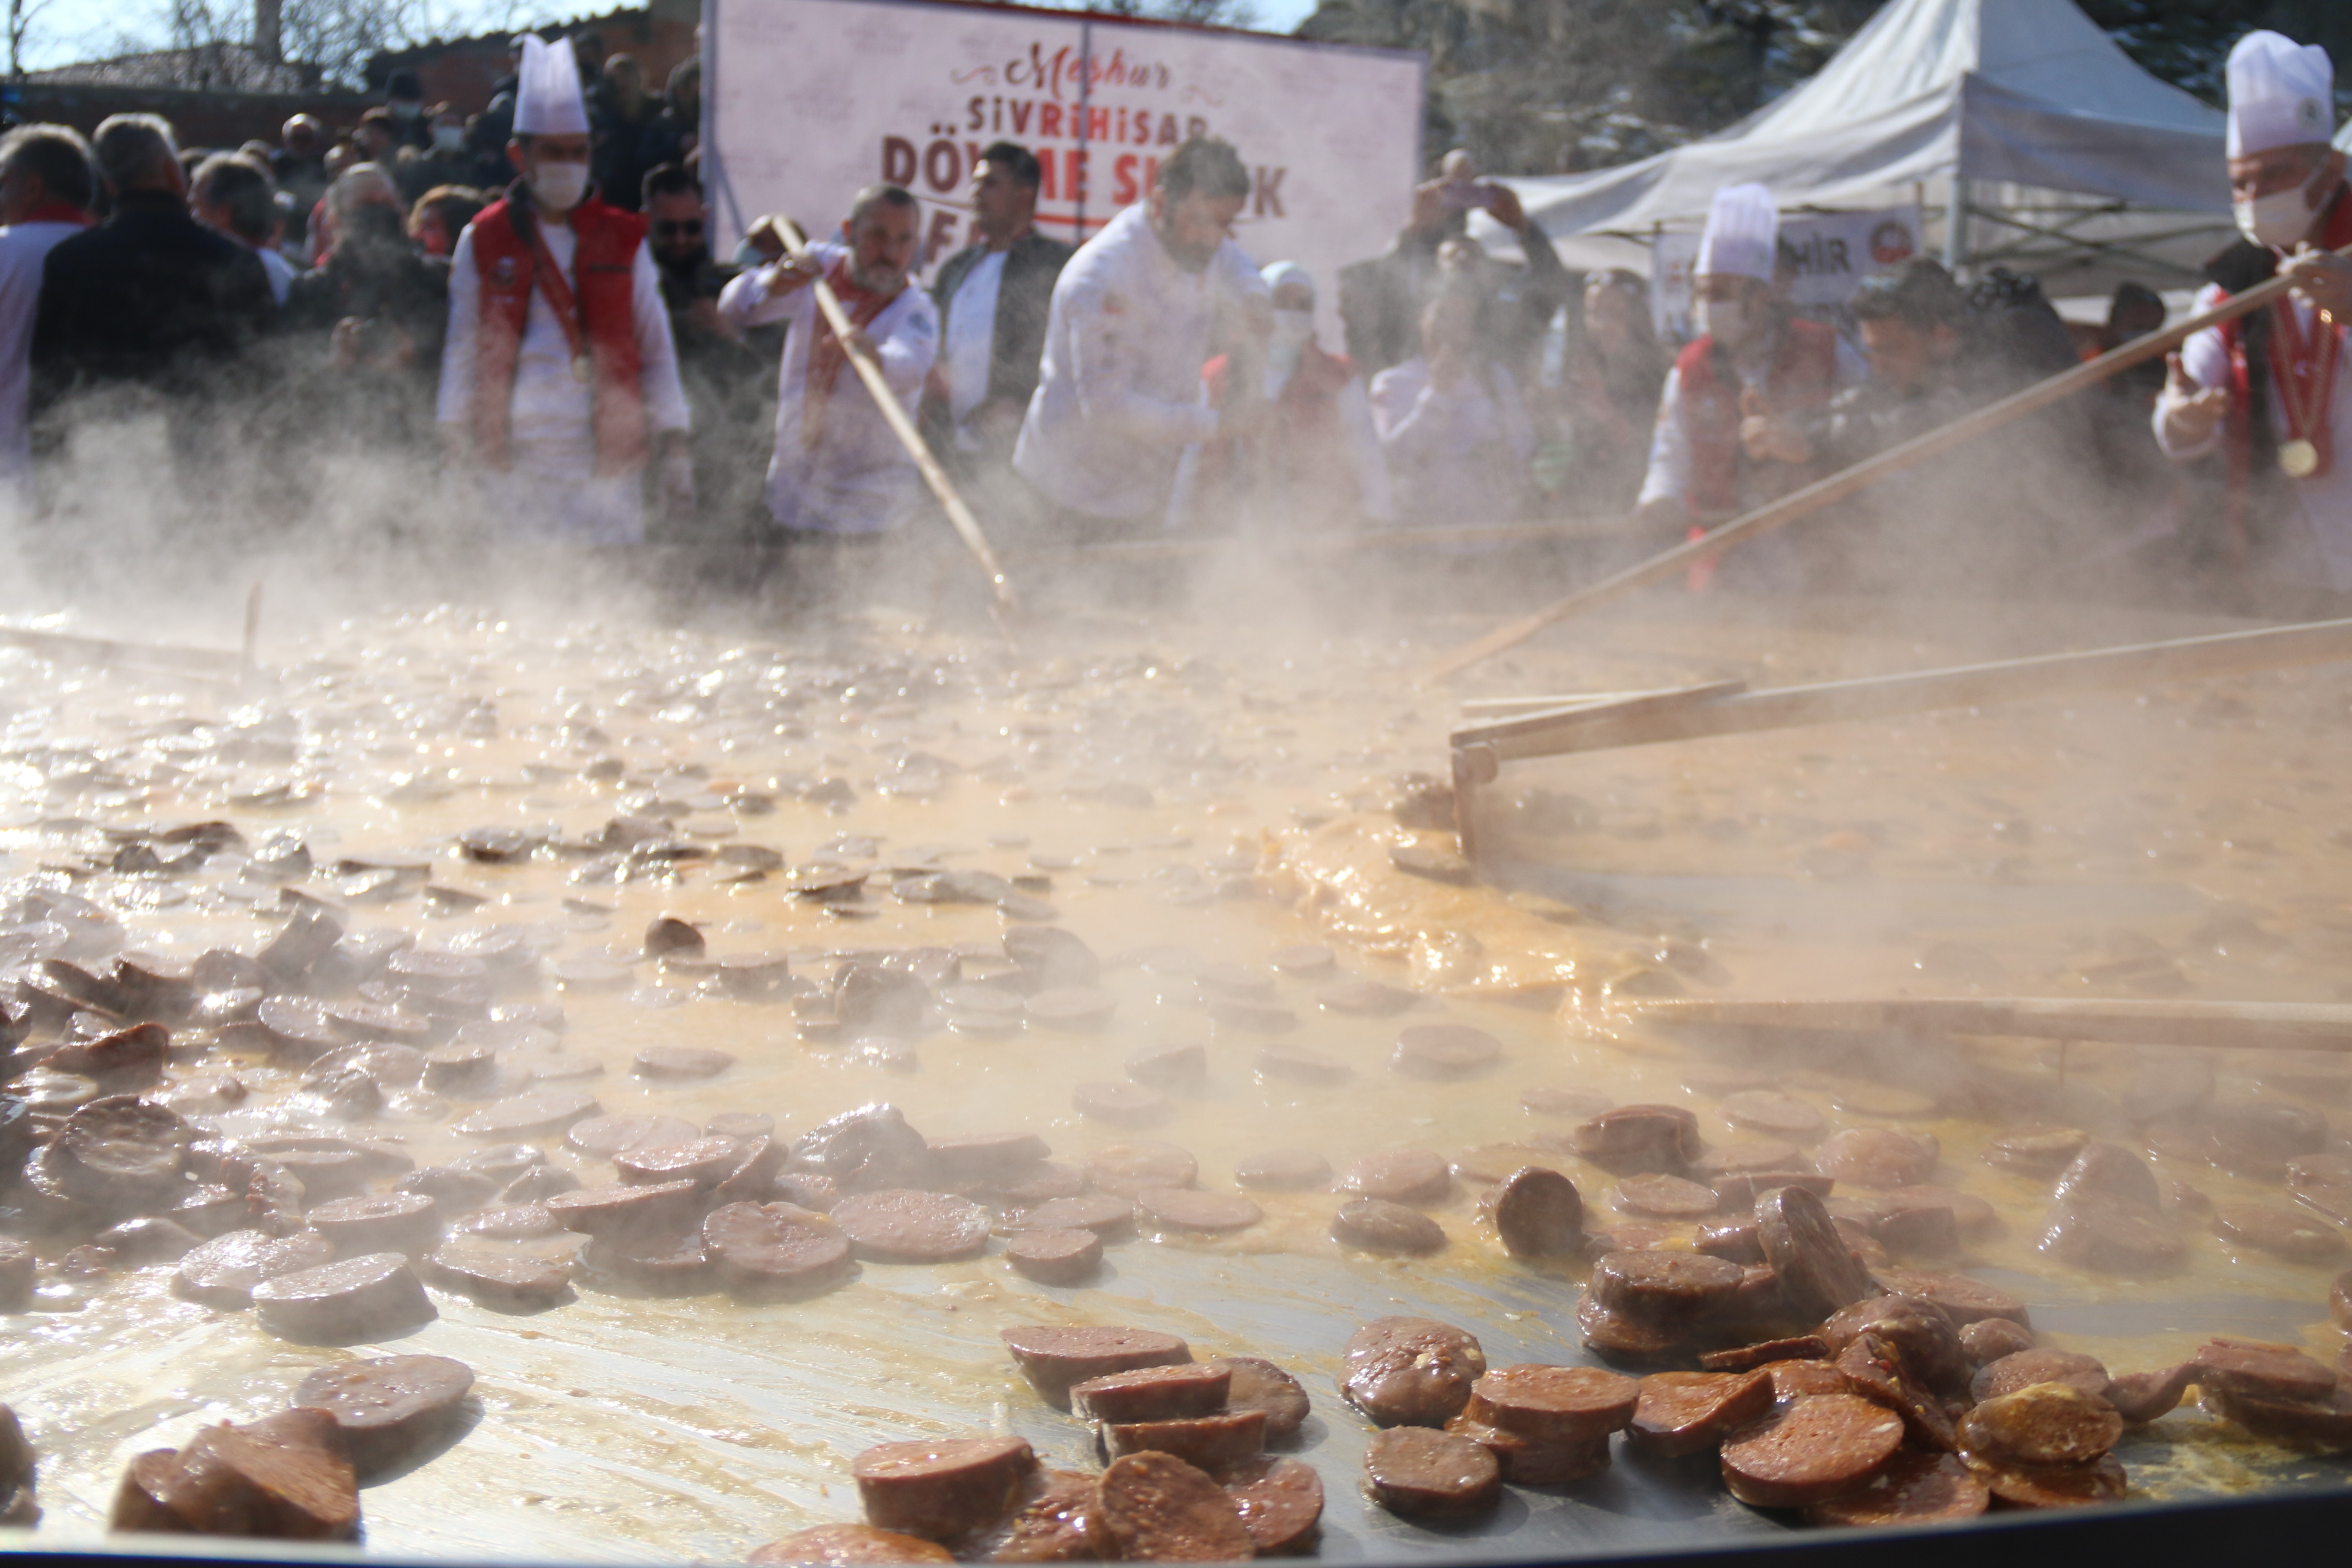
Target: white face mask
x,y
1292,328
1725,319
2279,220
448,138
559,186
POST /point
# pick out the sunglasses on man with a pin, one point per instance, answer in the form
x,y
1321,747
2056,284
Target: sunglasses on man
x,y
671,227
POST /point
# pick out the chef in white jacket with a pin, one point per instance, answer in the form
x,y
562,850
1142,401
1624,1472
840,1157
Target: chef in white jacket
x,y
1119,399
838,467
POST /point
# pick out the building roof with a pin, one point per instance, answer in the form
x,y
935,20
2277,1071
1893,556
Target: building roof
x,y
224,68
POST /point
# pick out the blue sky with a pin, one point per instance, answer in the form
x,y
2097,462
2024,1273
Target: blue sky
x,y
69,30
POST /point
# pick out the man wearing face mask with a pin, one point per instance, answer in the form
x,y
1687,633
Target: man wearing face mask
x,y
443,160
1730,429
1118,395
838,471
404,97
2272,393
560,381
1316,460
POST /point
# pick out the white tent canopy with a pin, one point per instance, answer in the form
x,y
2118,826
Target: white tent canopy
x,y
2069,160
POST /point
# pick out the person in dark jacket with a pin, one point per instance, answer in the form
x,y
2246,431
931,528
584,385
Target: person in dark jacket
x,y
151,300
993,298
728,372
369,320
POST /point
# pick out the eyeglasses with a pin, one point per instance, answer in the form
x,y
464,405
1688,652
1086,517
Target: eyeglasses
x,y
671,227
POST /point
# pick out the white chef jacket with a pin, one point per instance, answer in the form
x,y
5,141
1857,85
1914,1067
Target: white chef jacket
x,y
23,247
860,479
1118,395
2322,503
552,490
1450,455
971,338
1670,473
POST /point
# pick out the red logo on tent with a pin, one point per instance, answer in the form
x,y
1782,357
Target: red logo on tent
x,y
1890,242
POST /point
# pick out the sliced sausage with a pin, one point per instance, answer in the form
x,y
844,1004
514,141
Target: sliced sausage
x,y
1795,1379
284,1476
1155,1507
705,1162
1817,1274
1746,1358
149,1239
1664,1197
1285,1170
1406,1176
223,1272
1124,1104
1126,1169
605,1136
500,1276
2110,1234
1379,1225
1213,1442
1769,1111
844,1544
1101,1213
1154,1393
388,1407
1444,1050
669,1261
755,1244
17,1504
1877,1157
2262,1371
2316,1423
1682,1413
1048,1524
1523,1461
1626,1336
511,1222
2279,1231
1633,1138
1737,1192
1962,1300
1537,1212
1055,1257
2085,1374
1809,1450
1912,1488
1554,1404
1665,1289
1988,1340
1054,1358
1280,1502
901,1225
2055,1486
622,1210
396,1222
1930,1347
1419,1474
1876,1368
2036,1151
945,1489
2141,1396
1410,1371
2042,1423
359,1298
1189,1208
1263,1387
532,1115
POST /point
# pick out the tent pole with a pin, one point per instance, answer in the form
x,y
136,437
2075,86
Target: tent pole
x,y
1956,226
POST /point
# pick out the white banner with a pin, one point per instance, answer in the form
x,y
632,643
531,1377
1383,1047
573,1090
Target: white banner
x,y
1832,253
808,101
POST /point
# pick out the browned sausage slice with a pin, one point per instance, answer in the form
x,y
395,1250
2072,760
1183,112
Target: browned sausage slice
x,y
529,1115
499,1276
1154,1393
1126,1169
1101,1213
902,1224
1419,1474
1055,1358
1817,1274
1055,1257
840,1545
394,1221
359,1298
605,1136
1188,1208
1406,1176
1410,1371
1049,1524
1623,1336
223,1271
1809,1450
620,1209
943,1489
2055,1486
681,1063
705,1162
772,1243
284,1478
1211,1442
1683,1411
1378,1226
1444,1050
1281,1503
2318,1423
1963,1299
388,1407
1746,1358
1988,1340
1262,1385
2262,1371
1537,1212
1633,1138
1795,1379
1914,1488
1666,1289
514,1222
1155,1508
2142,1396
1285,1170
1878,1369
1554,1404
1876,1157
1664,1197
2043,1423
2026,1368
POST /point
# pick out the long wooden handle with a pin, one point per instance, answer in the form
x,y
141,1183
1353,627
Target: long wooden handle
x,y
209,664
902,425
1845,482
1648,718
2271,1026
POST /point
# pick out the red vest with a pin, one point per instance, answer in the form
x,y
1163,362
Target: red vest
x,y
1803,376
607,240
2238,437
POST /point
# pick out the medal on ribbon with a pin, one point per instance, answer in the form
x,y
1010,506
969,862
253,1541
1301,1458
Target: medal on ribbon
x,y
2303,369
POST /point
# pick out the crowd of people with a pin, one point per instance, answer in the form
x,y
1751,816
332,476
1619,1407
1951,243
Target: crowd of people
x,y
525,301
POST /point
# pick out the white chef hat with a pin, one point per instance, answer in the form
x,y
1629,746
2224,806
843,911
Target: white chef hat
x,y
548,100
1283,272
2280,94
1743,230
